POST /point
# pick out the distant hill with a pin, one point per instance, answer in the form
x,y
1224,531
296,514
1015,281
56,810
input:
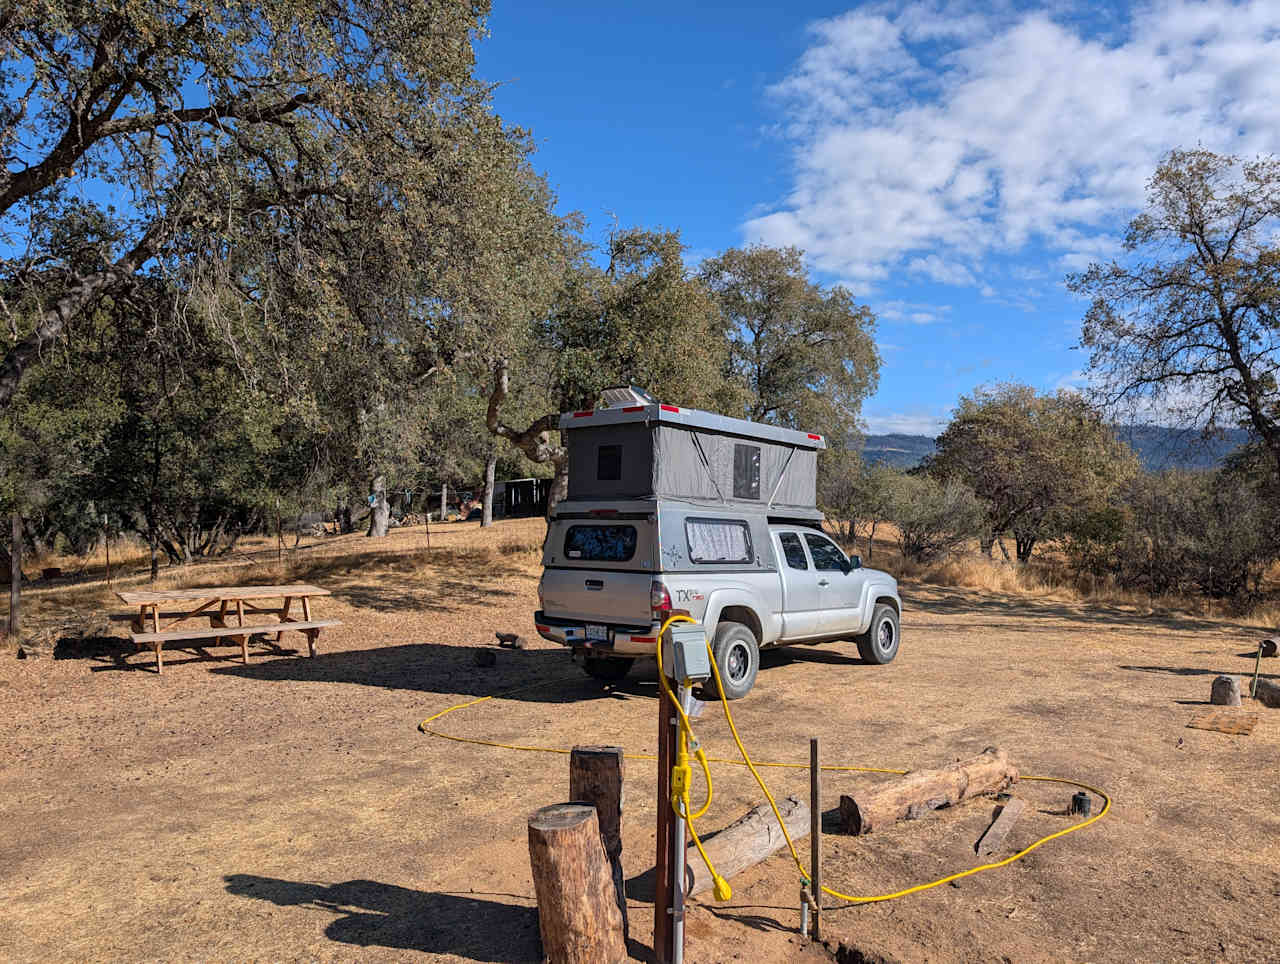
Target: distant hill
x,y
1157,447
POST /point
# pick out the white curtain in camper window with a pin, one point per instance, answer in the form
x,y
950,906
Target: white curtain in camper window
x,y
716,541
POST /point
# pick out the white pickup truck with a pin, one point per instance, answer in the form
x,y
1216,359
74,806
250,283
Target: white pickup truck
x,y
676,510
810,592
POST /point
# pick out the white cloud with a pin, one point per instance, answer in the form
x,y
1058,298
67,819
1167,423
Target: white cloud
x,y
910,312
927,136
905,423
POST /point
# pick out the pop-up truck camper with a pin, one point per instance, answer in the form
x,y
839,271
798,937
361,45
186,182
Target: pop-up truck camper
x,y
675,509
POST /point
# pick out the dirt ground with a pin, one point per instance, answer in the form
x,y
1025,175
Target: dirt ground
x,y
290,809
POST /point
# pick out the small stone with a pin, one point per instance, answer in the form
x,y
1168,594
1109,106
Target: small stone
x,y
485,658
1226,691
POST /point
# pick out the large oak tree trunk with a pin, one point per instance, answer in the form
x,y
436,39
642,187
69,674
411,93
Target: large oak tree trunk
x,y
444,500
380,511
559,482
490,470
15,576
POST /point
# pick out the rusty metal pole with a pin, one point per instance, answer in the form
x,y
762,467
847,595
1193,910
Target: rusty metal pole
x,y
663,933
815,837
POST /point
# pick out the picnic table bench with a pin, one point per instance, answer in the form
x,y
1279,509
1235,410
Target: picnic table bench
x,y
217,604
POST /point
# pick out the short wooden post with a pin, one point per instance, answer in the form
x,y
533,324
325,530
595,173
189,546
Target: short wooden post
x,y
815,837
578,913
595,778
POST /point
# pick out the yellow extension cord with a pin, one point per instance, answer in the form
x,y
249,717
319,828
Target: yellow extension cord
x,y
681,795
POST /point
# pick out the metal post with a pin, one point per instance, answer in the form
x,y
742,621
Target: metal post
x,y
815,837
679,849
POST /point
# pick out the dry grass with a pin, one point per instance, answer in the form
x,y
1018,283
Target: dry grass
x,y
1047,577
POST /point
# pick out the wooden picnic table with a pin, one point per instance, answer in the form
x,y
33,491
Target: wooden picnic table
x,y
201,603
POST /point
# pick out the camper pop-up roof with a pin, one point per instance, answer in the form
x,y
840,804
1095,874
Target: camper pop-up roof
x,y
638,448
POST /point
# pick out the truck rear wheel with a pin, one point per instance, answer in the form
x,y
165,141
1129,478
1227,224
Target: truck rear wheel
x,y
880,642
737,657
607,669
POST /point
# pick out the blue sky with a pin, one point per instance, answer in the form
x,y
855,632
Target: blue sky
x,y
949,162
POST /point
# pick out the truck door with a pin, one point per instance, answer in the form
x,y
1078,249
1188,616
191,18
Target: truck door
x,y
801,607
839,586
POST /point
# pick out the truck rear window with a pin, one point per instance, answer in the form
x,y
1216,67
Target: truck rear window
x,y
600,543
718,540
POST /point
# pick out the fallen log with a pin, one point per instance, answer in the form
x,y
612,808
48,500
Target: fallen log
x,y
747,841
577,909
916,793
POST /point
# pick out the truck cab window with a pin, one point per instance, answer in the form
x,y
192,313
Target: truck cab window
x,y
746,472
609,463
827,557
793,550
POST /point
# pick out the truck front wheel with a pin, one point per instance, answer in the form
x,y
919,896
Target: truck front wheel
x,y
880,642
737,657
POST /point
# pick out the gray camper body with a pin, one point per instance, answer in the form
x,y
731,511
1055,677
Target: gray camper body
x,y
702,512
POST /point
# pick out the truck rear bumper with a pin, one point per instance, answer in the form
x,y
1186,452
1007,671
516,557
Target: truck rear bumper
x,y
621,641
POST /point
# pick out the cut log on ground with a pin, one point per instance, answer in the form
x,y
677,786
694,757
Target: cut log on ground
x,y
994,838
577,908
1267,692
915,794
747,841
1225,691
595,778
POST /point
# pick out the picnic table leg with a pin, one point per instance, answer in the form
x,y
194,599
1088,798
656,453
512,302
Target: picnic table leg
x,y
311,633
284,614
244,640
155,628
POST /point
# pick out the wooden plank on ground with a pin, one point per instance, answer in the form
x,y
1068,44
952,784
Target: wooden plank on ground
x,y
178,634
993,839
1233,721
153,596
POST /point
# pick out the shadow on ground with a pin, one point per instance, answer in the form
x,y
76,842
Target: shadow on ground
x,y
371,914
536,675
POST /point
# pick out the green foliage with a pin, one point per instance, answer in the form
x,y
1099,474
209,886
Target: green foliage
x,y
1033,459
806,355
1178,532
933,518
857,496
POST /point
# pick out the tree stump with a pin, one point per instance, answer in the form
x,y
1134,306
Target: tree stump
x,y
1226,691
578,913
1267,692
595,778
915,794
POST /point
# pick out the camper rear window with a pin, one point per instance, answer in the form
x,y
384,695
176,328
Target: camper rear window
x,y
600,543
718,540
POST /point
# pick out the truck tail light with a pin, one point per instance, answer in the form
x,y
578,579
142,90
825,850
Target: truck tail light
x,y
659,600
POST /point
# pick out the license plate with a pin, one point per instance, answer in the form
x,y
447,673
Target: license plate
x,y
598,632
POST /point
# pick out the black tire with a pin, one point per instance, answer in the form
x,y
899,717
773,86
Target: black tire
x,y
607,669
879,645
737,657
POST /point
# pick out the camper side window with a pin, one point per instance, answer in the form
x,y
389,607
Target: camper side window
x,y
718,540
746,472
609,463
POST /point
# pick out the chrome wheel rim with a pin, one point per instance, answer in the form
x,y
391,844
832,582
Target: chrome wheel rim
x,y
884,636
736,662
